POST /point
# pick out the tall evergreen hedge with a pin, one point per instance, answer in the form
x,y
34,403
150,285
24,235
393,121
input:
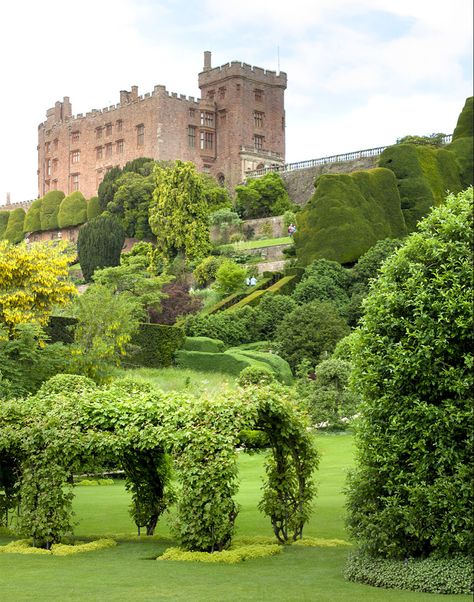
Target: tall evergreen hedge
x,y
99,244
32,219
4,215
348,214
49,209
14,229
72,210
93,208
462,144
157,345
424,175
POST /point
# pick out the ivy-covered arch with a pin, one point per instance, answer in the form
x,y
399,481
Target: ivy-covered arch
x,y
73,426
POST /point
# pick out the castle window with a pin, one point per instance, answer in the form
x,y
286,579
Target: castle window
x,y
191,136
98,133
222,92
207,140
75,156
206,168
75,136
98,152
119,125
108,129
140,134
258,118
192,113
207,119
46,148
108,149
119,148
258,142
48,167
211,94
75,181
258,94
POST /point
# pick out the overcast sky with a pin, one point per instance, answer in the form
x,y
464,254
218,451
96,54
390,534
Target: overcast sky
x,y
361,73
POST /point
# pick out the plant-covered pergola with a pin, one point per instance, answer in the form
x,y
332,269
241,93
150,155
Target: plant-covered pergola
x,y
72,426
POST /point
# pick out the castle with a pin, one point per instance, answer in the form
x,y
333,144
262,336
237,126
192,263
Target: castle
x,y
238,125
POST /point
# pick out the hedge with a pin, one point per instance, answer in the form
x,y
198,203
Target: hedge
x,y
203,344
235,298
348,214
32,221
49,209
14,229
157,345
277,364
72,210
253,299
434,575
462,144
229,362
93,208
424,174
284,286
4,215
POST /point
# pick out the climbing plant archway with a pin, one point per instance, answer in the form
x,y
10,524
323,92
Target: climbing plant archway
x,y
72,425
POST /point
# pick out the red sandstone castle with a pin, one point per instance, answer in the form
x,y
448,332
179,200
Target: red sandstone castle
x,y
238,125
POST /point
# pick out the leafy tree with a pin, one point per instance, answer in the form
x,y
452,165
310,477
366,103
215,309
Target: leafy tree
x,y
131,203
106,323
109,185
435,140
230,277
271,310
411,493
263,197
49,209
217,197
14,229
177,302
308,331
72,210
324,280
234,328
179,214
99,244
205,272
33,279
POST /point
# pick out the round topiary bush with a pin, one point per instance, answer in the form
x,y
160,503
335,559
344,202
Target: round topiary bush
x,y
255,375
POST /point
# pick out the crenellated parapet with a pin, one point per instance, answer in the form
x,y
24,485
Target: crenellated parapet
x,y
239,69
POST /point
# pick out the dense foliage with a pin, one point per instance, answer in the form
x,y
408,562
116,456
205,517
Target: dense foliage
x,y
14,230
462,144
72,210
99,244
411,493
263,197
32,221
49,209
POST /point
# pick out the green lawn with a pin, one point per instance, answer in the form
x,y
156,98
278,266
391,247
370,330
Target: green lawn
x,y
129,571
257,244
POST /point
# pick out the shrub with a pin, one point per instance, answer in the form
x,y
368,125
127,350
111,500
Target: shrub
x,y
324,280
32,221
99,244
49,209
205,272
232,556
157,345
433,575
203,344
411,493
278,365
72,210
308,331
263,197
233,328
14,230
230,277
462,143
255,375
67,383
347,214
93,208
4,215
178,302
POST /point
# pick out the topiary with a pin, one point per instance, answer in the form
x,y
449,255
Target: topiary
x,y
462,143
32,221
255,375
93,208
14,229
72,210
49,209
4,215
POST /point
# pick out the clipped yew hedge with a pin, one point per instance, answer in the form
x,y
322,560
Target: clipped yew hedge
x,y
348,214
49,209
157,345
206,344
72,210
229,362
462,143
4,215
14,229
32,221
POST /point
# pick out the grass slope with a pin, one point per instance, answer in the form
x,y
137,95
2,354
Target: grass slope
x,y
129,571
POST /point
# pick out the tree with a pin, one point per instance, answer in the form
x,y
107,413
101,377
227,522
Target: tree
x,y
99,244
131,204
308,331
324,280
217,197
263,197
109,185
230,277
411,493
33,279
106,323
179,215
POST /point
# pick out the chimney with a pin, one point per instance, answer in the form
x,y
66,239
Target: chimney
x,y
207,60
8,199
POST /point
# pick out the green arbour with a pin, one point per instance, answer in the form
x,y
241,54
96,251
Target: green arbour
x,y
72,425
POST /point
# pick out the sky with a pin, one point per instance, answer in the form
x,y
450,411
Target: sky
x,y
361,73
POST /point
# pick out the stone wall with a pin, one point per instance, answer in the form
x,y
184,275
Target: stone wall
x,y
300,183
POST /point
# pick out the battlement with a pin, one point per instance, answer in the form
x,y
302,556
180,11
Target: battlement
x,y
239,69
